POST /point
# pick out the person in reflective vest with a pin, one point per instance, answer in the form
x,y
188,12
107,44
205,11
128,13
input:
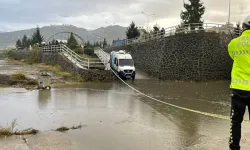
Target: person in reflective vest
x,y
239,51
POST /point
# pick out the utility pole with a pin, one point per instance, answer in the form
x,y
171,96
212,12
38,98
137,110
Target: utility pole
x,y
148,15
229,12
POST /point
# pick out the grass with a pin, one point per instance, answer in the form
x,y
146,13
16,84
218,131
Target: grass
x,y
88,56
8,131
60,72
63,128
5,131
55,69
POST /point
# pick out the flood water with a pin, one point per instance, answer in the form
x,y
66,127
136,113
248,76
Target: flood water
x,y
116,117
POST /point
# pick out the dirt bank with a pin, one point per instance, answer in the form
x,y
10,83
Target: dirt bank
x,y
9,67
17,80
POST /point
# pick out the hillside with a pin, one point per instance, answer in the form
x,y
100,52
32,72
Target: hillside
x,y
8,39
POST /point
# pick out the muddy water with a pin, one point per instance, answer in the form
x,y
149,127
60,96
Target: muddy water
x,y
116,117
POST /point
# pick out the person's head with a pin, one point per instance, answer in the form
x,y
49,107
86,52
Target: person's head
x,y
246,23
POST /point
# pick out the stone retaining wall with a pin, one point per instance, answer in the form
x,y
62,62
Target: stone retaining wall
x,y
58,59
87,75
195,56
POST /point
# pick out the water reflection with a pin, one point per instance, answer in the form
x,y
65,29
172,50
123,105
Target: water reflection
x,y
44,96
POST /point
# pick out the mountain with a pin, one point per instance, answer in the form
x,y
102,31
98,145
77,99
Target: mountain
x,y
8,39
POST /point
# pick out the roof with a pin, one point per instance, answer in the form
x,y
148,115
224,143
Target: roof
x,y
124,56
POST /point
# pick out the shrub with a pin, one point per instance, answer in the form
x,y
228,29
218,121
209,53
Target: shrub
x,y
89,51
18,76
33,58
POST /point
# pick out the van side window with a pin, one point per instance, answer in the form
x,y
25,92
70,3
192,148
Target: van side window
x,y
115,61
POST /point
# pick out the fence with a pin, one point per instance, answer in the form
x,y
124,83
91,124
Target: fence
x,y
84,63
180,29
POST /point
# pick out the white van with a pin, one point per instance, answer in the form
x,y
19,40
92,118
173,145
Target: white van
x,y
122,63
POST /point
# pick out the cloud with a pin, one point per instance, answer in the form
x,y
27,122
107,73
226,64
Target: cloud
x,y
90,14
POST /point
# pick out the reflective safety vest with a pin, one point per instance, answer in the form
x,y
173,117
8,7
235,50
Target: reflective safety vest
x,y
239,51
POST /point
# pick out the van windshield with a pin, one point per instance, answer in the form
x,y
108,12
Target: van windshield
x,y
126,62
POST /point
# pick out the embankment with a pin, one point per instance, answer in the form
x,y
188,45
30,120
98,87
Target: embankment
x,y
63,62
194,56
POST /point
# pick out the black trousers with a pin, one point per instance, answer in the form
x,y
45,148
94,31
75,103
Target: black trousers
x,y
240,99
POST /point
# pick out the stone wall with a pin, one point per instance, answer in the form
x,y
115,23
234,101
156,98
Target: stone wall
x,y
87,75
58,59
195,56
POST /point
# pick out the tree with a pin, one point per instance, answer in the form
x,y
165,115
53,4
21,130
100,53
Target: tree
x,y
29,42
53,42
72,42
18,43
25,41
193,14
132,31
100,44
88,44
37,37
104,43
156,28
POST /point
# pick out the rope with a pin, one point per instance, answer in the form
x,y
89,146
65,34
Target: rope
x,y
179,107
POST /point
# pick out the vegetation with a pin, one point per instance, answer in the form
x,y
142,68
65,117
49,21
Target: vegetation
x,y
72,42
33,57
132,31
18,76
104,43
156,28
56,69
18,43
89,51
63,128
8,131
36,38
194,12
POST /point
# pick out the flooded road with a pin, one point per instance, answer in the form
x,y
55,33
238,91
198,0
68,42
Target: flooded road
x,y
117,118
114,115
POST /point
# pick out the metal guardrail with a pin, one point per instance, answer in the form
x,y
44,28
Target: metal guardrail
x,y
179,29
104,57
84,63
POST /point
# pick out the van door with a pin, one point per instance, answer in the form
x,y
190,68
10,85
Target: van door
x,y
116,64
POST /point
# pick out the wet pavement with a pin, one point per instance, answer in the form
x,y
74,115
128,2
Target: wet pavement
x,y
117,118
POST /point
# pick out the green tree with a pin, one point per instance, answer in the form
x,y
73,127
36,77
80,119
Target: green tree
x,y
18,43
100,44
194,12
132,31
25,41
88,44
29,42
72,42
104,43
37,37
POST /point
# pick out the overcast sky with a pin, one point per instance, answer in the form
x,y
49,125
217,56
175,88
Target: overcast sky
x,y
91,14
